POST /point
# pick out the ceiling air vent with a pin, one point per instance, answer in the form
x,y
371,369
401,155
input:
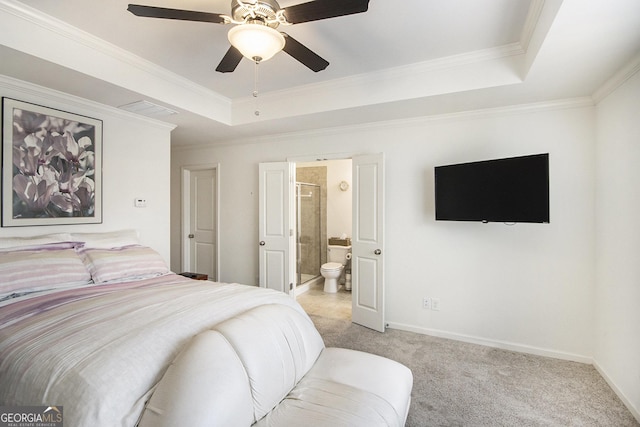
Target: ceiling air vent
x,y
148,109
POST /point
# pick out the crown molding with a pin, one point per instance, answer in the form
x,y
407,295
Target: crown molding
x,y
35,92
77,35
530,23
540,18
27,14
559,104
213,105
468,71
401,72
617,80
554,105
395,73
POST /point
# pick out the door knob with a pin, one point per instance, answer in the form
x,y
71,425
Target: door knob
x,y
191,236
377,252
262,243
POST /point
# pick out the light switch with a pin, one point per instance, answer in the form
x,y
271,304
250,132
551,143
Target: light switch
x,y
140,203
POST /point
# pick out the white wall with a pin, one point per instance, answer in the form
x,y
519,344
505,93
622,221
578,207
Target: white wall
x,y
136,162
338,202
617,300
527,286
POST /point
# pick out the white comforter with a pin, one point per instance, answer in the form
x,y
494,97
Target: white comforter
x,y
99,351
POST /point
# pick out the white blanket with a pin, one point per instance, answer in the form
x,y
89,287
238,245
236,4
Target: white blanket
x,y
99,351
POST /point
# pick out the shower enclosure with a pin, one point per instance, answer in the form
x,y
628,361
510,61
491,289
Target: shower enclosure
x,y
308,224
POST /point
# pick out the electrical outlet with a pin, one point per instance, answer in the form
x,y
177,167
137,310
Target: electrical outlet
x,y
435,304
426,303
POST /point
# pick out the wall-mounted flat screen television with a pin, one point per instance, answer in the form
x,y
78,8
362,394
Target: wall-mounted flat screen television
x,y
514,189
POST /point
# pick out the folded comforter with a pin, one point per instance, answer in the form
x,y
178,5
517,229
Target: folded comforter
x,y
99,351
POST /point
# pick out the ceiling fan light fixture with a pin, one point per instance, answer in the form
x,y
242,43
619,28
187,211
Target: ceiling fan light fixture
x,y
257,42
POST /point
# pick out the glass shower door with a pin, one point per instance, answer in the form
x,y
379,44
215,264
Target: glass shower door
x,y
309,243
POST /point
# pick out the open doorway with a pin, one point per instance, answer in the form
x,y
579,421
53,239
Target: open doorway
x,y
324,216
277,236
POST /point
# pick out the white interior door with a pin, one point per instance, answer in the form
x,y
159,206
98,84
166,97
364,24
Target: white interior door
x,y
201,223
277,226
367,263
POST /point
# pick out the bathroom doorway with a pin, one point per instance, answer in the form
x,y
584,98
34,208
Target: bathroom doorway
x,y
365,203
325,211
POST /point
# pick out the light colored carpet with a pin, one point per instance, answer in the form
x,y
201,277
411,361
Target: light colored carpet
x,y
462,384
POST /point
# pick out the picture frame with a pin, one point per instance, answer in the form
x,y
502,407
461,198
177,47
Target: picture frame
x,y
51,166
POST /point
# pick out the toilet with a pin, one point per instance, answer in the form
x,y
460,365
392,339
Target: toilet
x,y
332,270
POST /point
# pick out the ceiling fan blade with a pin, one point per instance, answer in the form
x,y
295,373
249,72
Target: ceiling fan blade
x,y
230,61
303,54
184,15
323,9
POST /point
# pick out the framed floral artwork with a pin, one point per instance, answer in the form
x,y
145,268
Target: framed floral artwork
x,y
51,166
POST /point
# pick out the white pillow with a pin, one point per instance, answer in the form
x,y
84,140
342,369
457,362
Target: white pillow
x,y
17,242
107,240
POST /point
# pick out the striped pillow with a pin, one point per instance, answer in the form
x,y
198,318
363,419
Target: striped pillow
x,y
123,264
44,247
43,268
110,239
14,242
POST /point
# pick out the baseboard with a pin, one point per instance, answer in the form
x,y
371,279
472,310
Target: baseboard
x,y
520,348
634,411
524,349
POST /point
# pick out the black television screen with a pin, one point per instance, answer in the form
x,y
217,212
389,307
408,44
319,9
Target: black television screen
x,y
513,189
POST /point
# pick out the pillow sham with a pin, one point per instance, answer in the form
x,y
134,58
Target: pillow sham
x,y
122,264
47,267
44,247
15,242
109,239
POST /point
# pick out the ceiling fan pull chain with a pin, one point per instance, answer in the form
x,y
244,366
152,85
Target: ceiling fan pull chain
x,y
255,88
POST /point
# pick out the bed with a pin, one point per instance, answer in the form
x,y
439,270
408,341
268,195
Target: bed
x,y
97,343
97,324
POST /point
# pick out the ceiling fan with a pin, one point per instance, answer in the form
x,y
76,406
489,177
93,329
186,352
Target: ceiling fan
x,y
255,36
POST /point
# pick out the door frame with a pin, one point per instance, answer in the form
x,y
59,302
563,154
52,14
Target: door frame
x,y
185,228
343,156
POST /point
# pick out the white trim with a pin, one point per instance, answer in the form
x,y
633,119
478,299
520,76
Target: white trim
x,y
33,91
505,345
634,411
473,70
185,179
145,76
531,23
70,32
185,176
617,80
393,74
559,104
91,54
321,157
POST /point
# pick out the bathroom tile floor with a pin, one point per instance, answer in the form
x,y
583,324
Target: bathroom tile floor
x,y
336,306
